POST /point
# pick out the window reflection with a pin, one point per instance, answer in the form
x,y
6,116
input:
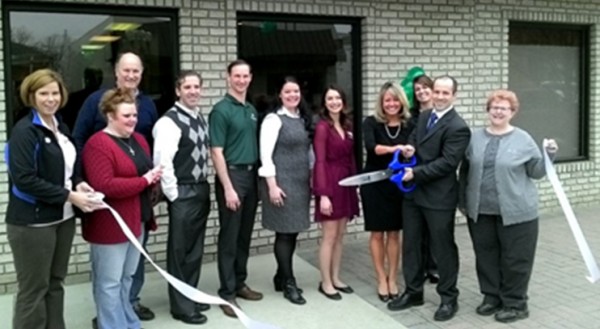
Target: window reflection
x,y
83,48
547,70
318,54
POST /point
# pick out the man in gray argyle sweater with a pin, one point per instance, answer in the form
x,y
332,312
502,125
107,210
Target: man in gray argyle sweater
x,y
181,146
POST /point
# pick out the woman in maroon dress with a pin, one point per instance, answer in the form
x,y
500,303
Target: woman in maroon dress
x,y
335,205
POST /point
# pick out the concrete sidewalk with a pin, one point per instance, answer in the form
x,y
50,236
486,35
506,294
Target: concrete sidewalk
x,y
352,312
560,295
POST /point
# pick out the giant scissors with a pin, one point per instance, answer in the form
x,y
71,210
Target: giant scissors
x,y
395,172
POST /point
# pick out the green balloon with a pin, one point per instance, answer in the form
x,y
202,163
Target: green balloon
x,y
407,83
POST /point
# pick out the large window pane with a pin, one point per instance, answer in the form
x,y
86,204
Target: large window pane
x,y
547,70
318,51
83,47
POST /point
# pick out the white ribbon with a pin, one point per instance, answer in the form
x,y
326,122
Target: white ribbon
x,y
584,248
185,289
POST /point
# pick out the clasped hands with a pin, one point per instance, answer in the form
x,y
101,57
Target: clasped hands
x,y
408,151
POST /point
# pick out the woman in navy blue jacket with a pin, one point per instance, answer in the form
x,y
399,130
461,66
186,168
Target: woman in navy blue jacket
x,y
45,184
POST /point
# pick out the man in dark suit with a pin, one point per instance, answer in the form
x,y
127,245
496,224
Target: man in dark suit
x,y
439,141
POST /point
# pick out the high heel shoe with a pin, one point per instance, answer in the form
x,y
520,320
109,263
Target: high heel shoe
x,y
334,296
292,293
383,298
278,284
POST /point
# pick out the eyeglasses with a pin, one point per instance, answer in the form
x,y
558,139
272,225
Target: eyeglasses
x,y
500,109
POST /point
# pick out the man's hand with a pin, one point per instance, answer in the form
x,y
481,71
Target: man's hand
x,y
232,201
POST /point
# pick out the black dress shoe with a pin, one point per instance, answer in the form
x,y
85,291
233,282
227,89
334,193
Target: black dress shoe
x,y
433,278
335,296
346,289
144,313
193,318
486,309
446,311
405,301
511,314
201,307
291,293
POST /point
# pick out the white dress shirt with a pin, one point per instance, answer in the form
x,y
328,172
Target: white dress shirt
x,y
166,135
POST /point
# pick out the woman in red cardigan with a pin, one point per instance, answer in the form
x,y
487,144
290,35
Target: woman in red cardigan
x,y
116,162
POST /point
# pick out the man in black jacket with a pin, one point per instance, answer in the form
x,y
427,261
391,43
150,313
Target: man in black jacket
x,y
440,140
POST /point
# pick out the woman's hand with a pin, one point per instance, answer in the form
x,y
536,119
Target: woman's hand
x,y
325,206
408,151
550,145
86,201
84,187
276,195
153,175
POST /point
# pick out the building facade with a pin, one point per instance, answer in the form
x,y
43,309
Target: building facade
x,y
546,51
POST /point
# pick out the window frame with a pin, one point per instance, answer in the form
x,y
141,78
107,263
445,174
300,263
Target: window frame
x,y
584,31
9,6
356,35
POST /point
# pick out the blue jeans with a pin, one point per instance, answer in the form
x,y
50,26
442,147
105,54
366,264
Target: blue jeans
x,y
138,276
113,266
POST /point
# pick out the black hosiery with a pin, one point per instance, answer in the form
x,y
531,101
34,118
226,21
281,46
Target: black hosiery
x,y
284,247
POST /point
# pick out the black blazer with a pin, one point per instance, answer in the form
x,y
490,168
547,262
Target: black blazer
x,y
439,152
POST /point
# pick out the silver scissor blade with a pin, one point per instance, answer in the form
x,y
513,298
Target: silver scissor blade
x,y
366,178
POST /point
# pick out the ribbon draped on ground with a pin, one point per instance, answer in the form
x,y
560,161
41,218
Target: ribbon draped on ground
x,y
185,289
584,248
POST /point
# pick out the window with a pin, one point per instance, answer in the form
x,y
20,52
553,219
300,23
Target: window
x,y
82,43
548,69
318,51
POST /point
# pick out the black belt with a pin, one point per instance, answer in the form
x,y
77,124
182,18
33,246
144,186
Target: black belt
x,y
244,167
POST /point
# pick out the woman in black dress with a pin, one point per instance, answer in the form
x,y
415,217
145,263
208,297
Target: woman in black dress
x,y
384,133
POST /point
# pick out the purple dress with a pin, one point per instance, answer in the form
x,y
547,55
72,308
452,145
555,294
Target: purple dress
x,y
334,160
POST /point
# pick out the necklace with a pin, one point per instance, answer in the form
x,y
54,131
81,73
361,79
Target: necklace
x,y
128,145
387,130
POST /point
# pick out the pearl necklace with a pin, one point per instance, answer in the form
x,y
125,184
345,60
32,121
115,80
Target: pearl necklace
x,y
394,136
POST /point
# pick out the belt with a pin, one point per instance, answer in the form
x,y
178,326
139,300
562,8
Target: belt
x,y
245,167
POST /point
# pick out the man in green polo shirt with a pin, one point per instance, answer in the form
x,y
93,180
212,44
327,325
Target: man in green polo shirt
x,y
234,149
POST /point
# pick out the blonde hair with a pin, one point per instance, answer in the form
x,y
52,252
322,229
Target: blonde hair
x,y
37,80
397,92
503,95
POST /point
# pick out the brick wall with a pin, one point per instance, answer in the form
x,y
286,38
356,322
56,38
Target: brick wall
x,y
465,38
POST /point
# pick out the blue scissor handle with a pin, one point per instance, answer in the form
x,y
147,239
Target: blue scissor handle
x,y
398,168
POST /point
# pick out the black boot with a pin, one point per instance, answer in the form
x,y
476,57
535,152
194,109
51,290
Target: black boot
x,y
292,293
277,283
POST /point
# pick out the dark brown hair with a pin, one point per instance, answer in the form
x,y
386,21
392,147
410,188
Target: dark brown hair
x,y
345,120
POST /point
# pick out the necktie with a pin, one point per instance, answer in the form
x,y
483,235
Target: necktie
x,y
432,120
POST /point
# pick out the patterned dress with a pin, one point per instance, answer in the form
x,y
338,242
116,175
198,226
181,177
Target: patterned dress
x,y
290,157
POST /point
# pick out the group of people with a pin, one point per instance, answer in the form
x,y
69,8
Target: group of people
x,y
122,151
495,190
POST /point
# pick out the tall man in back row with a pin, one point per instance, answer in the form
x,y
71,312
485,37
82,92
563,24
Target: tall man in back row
x,y
440,140
128,73
234,150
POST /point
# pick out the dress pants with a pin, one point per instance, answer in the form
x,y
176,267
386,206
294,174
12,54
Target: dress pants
x,y
440,224
504,258
235,231
41,257
185,247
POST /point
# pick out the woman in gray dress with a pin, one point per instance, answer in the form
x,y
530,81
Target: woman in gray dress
x,y
285,181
